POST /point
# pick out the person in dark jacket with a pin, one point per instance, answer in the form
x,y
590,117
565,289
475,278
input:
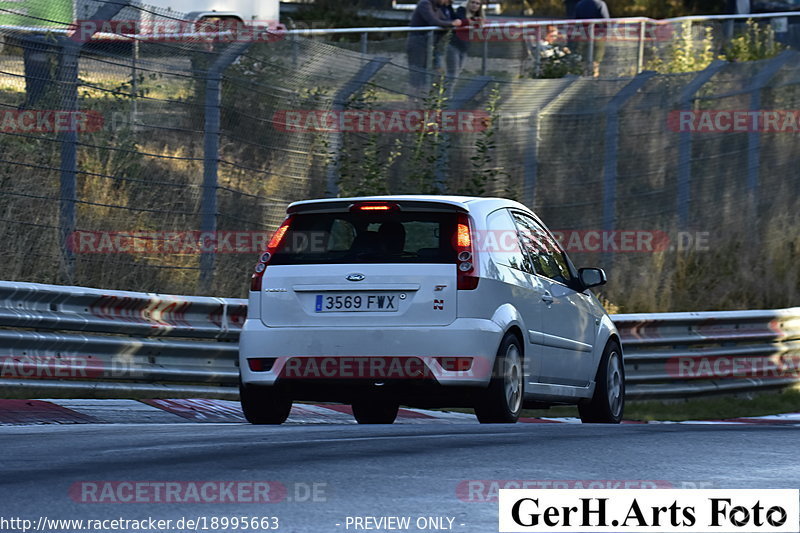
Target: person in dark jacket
x,y
594,9
438,45
427,13
470,13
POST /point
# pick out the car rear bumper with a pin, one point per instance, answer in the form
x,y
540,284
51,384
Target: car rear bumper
x,y
360,355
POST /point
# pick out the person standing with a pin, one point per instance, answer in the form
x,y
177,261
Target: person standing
x,y
438,38
594,9
427,13
470,13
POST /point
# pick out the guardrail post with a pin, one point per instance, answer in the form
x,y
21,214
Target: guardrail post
x,y
754,137
685,142
211,137
339,102
71,46
612,152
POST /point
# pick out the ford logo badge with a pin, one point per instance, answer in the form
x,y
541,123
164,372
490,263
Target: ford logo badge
x,y
355,276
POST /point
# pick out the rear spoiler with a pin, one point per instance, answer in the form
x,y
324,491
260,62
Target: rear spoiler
x,y
342,206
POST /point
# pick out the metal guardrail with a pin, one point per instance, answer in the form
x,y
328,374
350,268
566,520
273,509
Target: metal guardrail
x,y
677,355
61,341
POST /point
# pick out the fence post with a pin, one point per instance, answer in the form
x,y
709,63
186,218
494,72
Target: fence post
x,y
429,46
484,56
211,137
754,137
684,169
67,77
364,74
531,161
612,151
467,93
640,52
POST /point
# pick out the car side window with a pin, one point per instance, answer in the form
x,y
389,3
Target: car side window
x,y
546,256
502,241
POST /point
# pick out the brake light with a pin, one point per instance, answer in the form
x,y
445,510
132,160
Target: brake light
x,y
266,256
277,237
464,239
466,261
374,206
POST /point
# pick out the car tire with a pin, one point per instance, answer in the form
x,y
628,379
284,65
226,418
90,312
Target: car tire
x,y
375,411
608,402
264,405
501,403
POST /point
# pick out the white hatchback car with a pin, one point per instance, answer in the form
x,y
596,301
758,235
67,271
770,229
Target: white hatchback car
x,y
426,301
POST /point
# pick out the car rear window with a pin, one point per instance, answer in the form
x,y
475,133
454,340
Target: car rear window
x,y
396,237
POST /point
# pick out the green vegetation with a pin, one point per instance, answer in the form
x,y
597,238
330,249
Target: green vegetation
x,y
693,48
756,42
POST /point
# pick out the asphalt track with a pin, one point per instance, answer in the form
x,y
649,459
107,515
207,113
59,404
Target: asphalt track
x,y
323,474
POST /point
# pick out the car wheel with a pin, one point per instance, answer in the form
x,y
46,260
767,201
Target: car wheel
x,y
608,402
375,411
264,405
502,401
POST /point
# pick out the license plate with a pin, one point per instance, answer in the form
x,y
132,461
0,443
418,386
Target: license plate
x,y
356,301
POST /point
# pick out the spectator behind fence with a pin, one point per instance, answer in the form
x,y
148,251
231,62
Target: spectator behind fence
x,y
439,44
594,9
427,13
470,13
549,47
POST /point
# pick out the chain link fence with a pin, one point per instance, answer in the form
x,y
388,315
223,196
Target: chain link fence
x,y
162,160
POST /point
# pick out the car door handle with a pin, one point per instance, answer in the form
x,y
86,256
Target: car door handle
x,y
547,298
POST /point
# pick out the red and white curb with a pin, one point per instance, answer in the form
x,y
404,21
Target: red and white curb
x,y
29,412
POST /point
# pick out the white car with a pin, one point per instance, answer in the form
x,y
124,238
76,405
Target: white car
x,y
426,301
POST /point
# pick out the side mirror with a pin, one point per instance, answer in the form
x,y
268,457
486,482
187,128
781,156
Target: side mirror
x,y
592,277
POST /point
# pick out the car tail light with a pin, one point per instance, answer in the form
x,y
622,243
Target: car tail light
x,y
466,261
372,207
266,256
